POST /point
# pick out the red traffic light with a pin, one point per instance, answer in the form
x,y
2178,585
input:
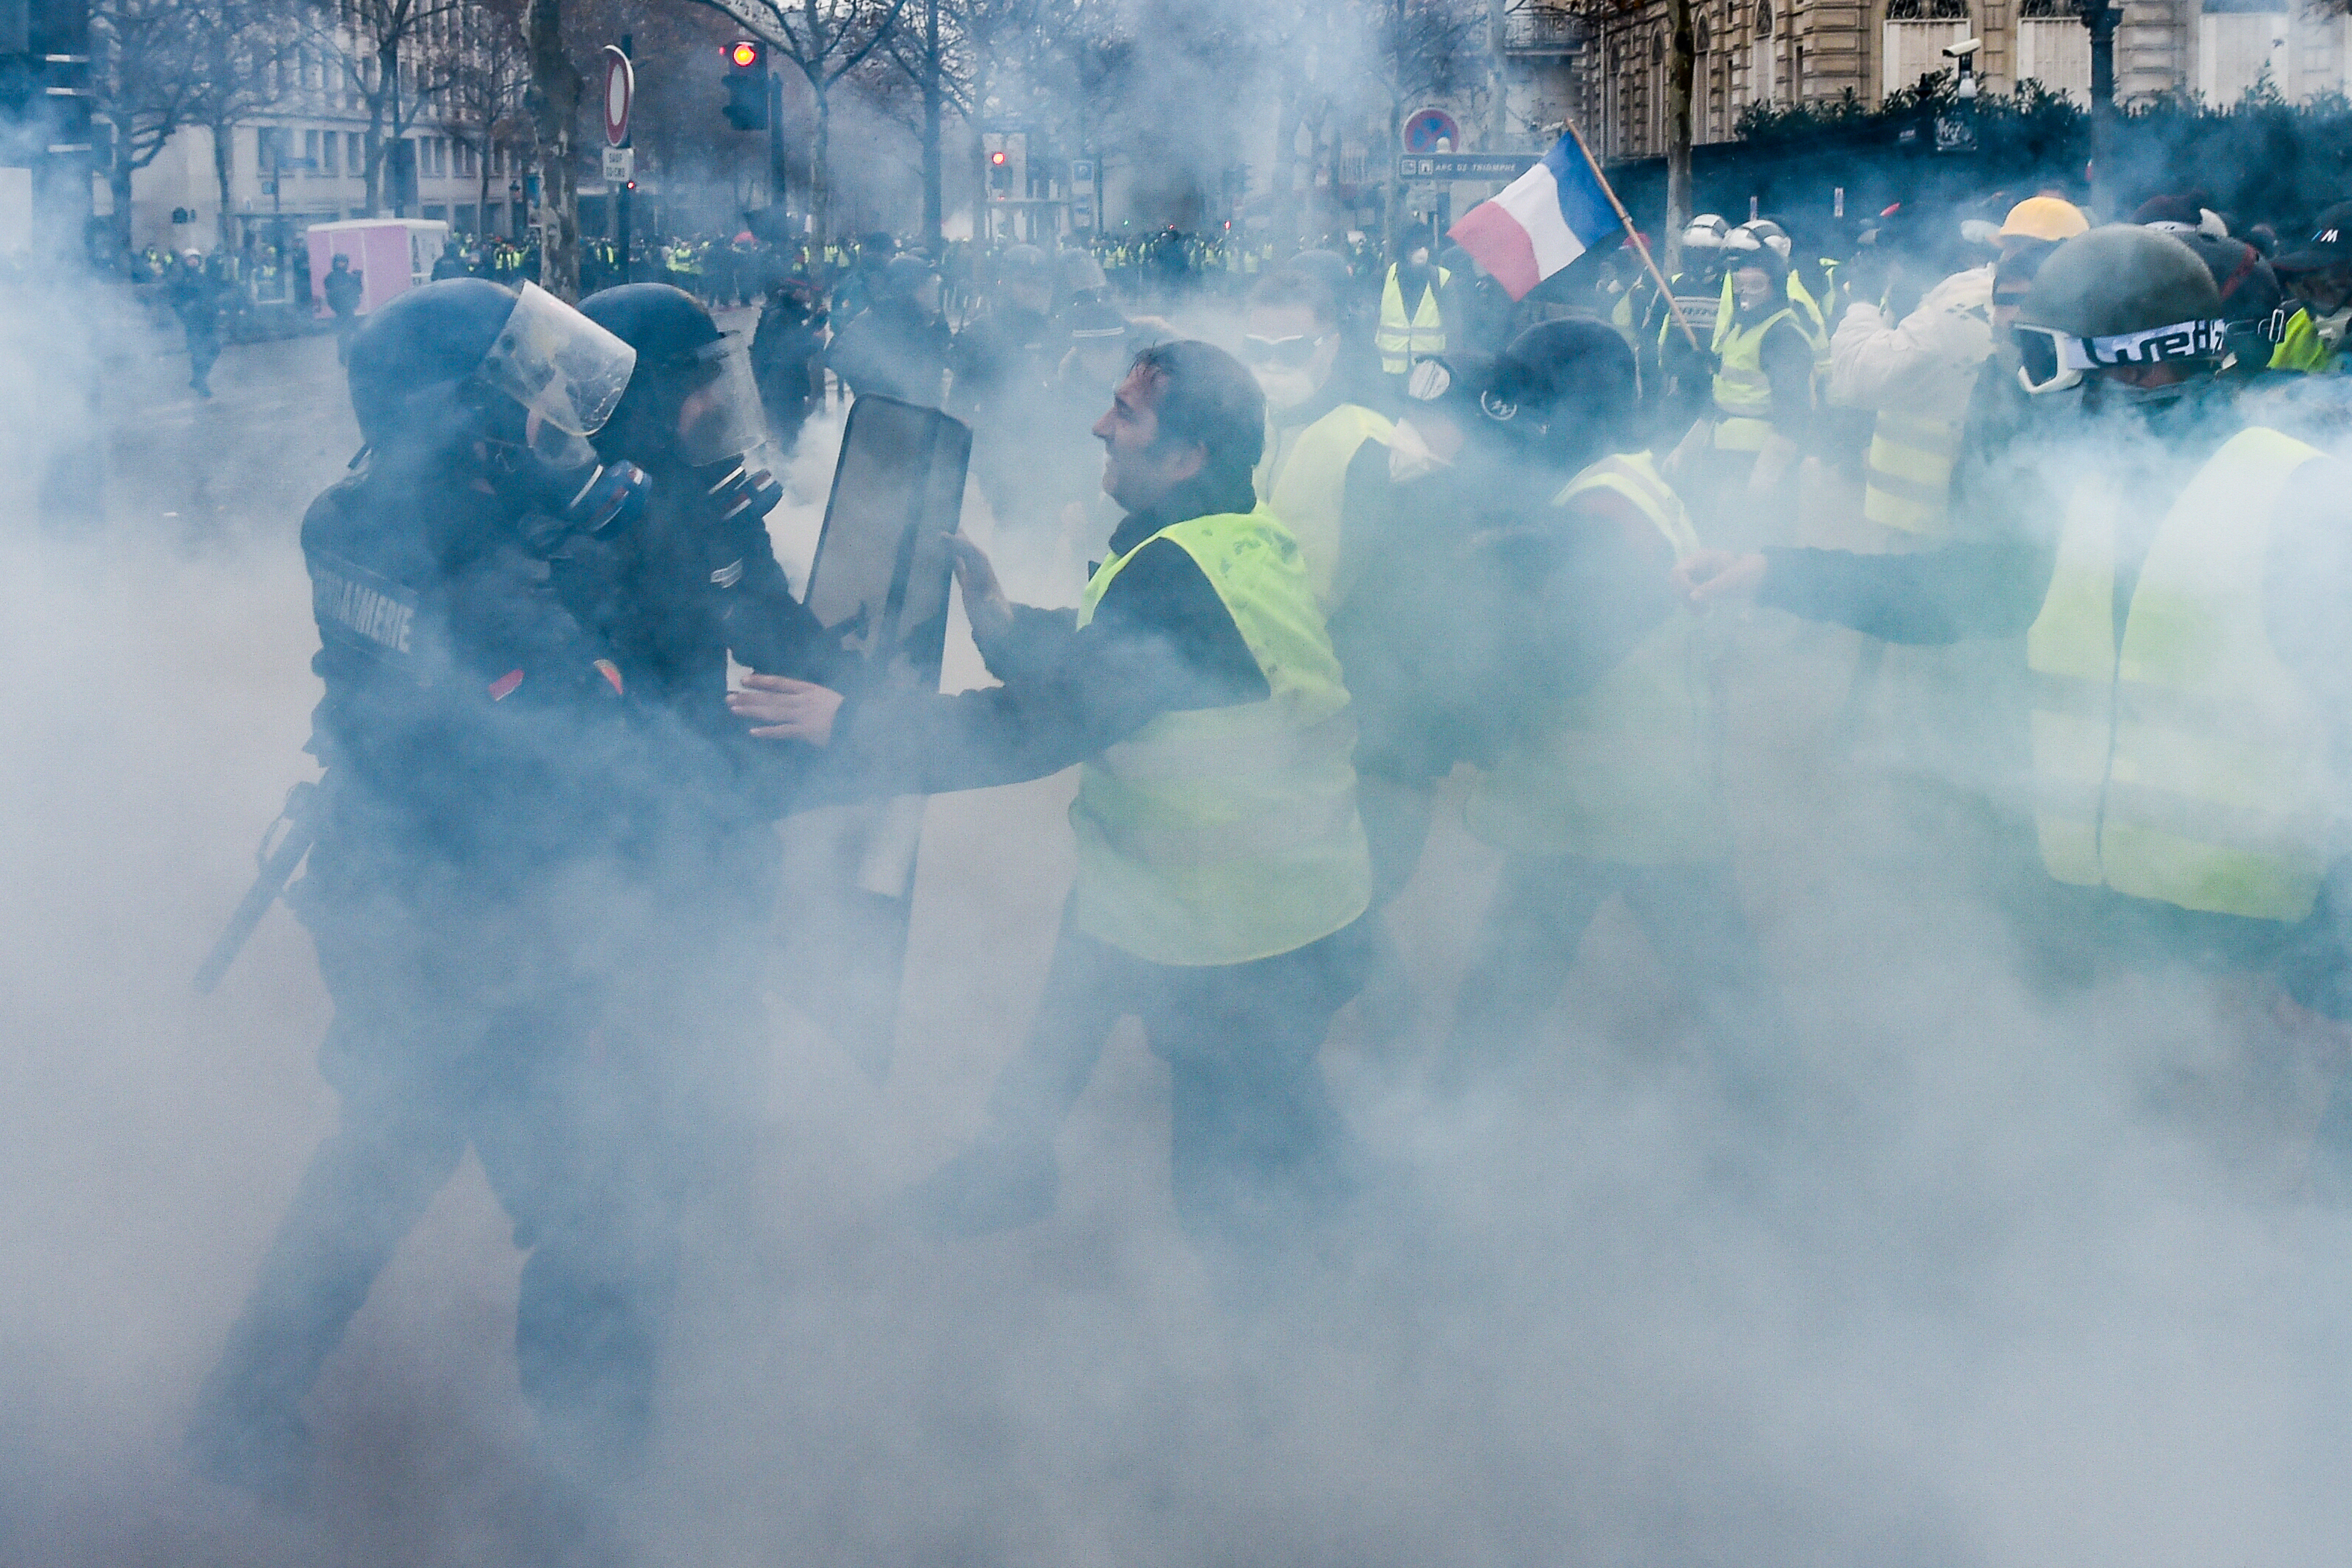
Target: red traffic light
x,y
744,56
1000,157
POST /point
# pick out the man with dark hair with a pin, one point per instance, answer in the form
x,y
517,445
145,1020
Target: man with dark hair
x,y
1222,865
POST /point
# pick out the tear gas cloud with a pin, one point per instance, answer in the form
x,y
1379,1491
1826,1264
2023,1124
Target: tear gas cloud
x,y
2038,1279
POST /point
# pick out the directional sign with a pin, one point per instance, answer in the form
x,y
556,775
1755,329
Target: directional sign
x,y
620,91
1466,166
1429,127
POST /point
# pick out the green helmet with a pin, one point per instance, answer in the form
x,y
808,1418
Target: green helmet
x,y
2118,295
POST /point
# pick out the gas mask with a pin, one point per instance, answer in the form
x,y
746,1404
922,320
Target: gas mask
x,y
553,377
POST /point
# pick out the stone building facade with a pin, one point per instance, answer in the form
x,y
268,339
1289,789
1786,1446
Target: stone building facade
x,y
1788,51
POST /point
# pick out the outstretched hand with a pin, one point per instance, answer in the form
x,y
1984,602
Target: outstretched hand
x,y
1706,576
783,709
984,604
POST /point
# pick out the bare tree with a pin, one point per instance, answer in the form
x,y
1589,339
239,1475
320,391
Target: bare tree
x,y
398,56
554,102
826,40
489,79
924,52
148,81
164,66
1422,48
237,53
1604,16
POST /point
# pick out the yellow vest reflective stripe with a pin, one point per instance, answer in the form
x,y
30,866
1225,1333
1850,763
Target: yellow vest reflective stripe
x,y
1303,478
1743,392
1624,771
1908,475
2302,348
1401,338
2188,765
1223,835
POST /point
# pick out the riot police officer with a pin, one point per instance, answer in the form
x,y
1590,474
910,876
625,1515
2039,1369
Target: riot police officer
x,y
697,874
468,729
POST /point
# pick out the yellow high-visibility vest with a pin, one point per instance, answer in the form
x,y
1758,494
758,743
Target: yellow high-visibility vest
x,y
1743,392
1223,835
1303,478
1809,318
2302,348
2186,766
1401,337
1907,477
1625,771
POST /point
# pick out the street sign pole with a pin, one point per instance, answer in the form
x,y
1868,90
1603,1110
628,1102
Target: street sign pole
x,y
778,195
620,93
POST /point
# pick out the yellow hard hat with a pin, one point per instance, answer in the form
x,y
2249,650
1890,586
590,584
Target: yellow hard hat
x,y
2044,218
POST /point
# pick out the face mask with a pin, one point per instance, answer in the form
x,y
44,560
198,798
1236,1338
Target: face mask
x,y
1285,388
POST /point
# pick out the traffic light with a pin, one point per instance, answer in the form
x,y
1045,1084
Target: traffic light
x,y
747,85
1000,170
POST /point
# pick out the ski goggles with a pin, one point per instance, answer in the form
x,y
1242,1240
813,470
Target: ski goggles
x,y
1281,353
2052,361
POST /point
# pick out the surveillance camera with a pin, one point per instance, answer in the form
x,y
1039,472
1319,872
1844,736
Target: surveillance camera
x,y
1962,50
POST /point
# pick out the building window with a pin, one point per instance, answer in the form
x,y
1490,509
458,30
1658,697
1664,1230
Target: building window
x,y
1701,36
355,144
1763,18
329,145
1929,10
311,150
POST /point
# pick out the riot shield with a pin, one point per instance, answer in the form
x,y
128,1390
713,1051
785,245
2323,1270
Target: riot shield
x,y
879,582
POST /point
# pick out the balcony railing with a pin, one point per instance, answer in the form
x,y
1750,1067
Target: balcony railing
x,y
1536,29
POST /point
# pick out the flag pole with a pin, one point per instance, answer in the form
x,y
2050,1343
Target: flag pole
x,y
1635,235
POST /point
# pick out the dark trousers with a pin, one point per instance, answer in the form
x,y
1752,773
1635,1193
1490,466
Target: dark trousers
x,y
203,349
1691,915
433,1050
1256,1146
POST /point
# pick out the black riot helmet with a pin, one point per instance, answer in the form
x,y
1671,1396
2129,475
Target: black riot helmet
x,y
1567,389
463,373
409,361
693,401
692,404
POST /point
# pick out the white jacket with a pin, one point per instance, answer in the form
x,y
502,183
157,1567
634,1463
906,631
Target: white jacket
x,y
1928,364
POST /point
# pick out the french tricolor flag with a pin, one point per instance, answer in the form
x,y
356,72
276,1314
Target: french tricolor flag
x,y
1541,221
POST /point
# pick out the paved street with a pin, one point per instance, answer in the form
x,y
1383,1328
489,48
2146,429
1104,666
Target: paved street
x,y
1572,1314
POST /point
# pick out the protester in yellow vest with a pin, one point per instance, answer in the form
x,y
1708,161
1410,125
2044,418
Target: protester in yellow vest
x,y
2320,275
2192,667
1222,865
1742,465
1916,376
1291,342
1412,323
1600,780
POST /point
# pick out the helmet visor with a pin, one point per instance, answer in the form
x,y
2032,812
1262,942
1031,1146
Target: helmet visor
x,y
2050,359
722,418
559,364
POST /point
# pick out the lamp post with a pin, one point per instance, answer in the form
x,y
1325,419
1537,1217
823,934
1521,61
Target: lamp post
x,y
2101,17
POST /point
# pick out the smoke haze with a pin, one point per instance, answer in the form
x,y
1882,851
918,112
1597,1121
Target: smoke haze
x,y
2033,1291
